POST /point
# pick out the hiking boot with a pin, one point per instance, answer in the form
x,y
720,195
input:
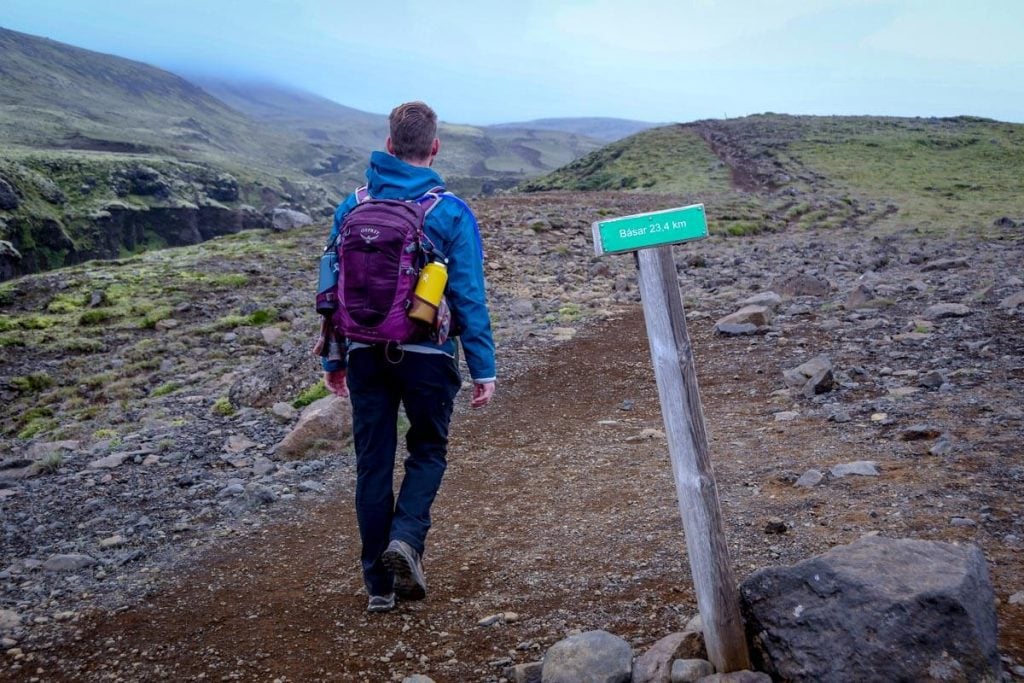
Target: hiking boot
x,y
381,603
404,563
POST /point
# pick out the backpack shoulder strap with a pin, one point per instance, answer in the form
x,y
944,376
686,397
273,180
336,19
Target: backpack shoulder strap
x,y
432,198
362,194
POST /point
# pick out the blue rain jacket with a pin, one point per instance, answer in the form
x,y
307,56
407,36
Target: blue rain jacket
x,y
453,229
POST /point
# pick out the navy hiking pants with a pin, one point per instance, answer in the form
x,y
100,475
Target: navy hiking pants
x,y
426,385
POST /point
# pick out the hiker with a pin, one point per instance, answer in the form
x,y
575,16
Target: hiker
x,y
422,375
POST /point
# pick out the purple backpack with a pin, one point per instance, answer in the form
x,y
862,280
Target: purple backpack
x,y
381,248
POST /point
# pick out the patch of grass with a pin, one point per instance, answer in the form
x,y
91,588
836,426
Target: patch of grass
x,y
155,315
222,406
50,463
98,380
77,345
33,383
65,303
262,316
164,389
313,393
36,427
570,313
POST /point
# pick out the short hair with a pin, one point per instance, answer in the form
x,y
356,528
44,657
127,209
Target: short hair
x,y
413,129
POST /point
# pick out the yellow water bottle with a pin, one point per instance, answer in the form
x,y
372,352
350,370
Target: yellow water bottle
x,y
429,289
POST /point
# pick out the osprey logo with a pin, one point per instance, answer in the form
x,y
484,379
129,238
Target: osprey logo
x,y
369,234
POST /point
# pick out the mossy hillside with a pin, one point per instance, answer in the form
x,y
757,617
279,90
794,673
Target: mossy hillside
x,y
663,160
74,206
944,175
93,342
949,176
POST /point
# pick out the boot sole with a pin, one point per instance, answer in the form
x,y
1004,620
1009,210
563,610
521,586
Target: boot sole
x,y
407,585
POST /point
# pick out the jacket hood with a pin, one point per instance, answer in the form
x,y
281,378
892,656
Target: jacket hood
x,y
388,177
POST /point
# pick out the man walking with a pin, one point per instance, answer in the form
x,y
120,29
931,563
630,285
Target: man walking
x,y
423,376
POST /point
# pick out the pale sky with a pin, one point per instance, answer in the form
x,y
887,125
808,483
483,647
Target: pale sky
x,y
490,62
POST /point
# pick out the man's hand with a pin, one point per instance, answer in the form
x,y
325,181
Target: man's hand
x,y
335,382
482,393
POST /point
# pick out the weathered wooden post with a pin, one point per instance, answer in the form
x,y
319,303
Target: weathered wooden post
x,y
650,236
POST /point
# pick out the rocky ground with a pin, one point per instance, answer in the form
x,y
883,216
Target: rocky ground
x,y
149,532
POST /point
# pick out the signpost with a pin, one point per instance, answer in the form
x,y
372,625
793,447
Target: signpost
x,y
650,236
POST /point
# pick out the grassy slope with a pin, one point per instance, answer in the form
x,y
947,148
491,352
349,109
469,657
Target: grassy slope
x,y
946,175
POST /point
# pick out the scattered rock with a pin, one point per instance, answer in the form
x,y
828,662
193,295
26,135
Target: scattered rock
x,y
736,330
525,673
272,335
324,423
655,665
942,446
417,678
737,677
114,541
71,562
775,525
920,432
289,219
238,443
1017,598
110,462
841,616
9,620
786,416
811,378
962,522
590,657
689,670
1012,302
802,284
758,316
809,479
284,410
946,264
310,486
231,490
263,466
931,380
864,468
939,311
769,299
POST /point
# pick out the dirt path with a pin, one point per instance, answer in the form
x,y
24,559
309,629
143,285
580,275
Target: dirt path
x,y
558,506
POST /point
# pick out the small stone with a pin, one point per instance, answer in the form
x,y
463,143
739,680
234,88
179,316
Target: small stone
x,y
237,443
840,416
263,466
879,417
525,673
9,620
1012,302
775,525
1017,598
758,316
920,432
110,462
71,562
229,337
942,446
272,335
114,541
590,657
737,677
768,299
231,490
786,416
864,468
628,404
946,264
311,486
690,670
962,522
695,624
735,329
151,460
939,311
284,410
417,678
491,620
809,479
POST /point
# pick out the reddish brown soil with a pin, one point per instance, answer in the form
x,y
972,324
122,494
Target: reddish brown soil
x,y
551,514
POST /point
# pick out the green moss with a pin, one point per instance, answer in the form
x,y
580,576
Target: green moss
x,y
77,345
155,315
96,316
36,427
313,393
104,433
98,380
262,316
222,406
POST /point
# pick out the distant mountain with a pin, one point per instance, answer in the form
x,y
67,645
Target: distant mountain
x,y
473,158
599,128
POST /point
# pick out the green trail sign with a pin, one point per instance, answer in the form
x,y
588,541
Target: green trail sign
x,y
644,230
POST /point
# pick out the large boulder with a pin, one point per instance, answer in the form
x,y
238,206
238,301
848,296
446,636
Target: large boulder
x,y
812,378
323,425
879,609
590,657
